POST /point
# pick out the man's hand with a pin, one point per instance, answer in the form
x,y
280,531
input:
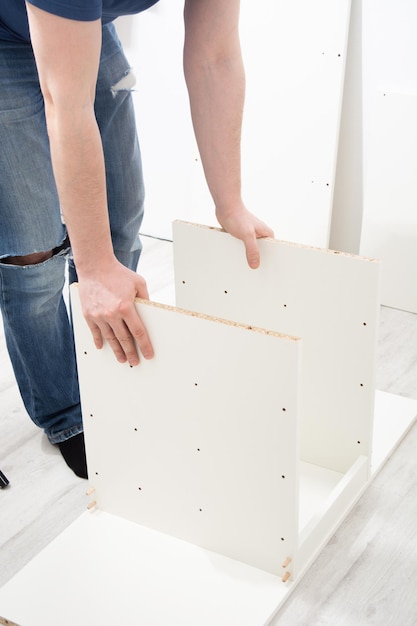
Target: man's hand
x,y
107,300
243,225
215,79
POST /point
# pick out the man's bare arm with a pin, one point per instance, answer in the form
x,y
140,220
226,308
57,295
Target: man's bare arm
x,y
216,84
67,54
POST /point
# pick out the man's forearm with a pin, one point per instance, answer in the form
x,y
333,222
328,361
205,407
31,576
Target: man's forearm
x,y
215,80
216,83
67,55
79,171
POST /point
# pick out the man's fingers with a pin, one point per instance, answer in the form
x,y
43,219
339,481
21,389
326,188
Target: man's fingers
x,y
251,244
137,332
266,232
252,252
96,332
104,333
110,311
141,288
122,337
245,226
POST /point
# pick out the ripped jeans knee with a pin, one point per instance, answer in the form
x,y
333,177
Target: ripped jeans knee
x,y
35,258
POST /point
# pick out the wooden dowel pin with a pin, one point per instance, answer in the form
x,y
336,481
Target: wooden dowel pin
x,y
286,562
91,504
286,577
90,491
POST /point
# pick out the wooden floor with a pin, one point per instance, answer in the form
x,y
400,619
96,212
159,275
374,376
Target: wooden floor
x,y
367,574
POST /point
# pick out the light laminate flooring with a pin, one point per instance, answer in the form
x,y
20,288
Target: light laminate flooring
x,y
366,575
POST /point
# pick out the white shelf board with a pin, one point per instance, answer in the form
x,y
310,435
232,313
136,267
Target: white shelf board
x,y
117,572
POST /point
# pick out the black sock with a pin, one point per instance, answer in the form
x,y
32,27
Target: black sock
x,y
73,451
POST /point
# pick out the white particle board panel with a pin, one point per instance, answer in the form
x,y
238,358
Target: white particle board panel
x,y
117,572
295,54
389,229
329,299
206,447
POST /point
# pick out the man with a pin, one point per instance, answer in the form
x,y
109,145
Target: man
x,y
68,145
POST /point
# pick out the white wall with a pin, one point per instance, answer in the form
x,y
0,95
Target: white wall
x,y
389,49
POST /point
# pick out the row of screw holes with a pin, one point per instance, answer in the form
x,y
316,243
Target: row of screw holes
x,y
284,305
200,510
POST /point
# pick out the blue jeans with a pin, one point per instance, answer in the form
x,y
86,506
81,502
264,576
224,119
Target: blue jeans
x,y
37,327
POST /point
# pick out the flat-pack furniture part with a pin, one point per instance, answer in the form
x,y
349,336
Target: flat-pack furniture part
x,y
220,468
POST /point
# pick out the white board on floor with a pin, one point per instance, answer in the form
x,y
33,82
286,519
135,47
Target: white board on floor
x,y
104,570
201,442
389,229
295,55
329,299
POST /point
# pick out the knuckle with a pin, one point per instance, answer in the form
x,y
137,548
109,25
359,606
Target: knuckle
x,y
139,333
126,342
142,282
123,308
111,339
